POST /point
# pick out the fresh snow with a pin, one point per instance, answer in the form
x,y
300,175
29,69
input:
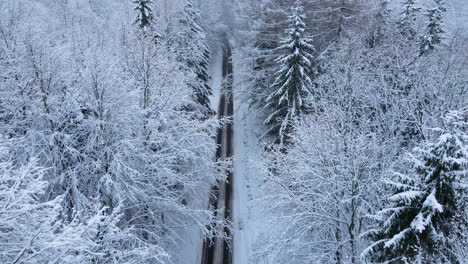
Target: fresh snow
x,y
407,196
250,219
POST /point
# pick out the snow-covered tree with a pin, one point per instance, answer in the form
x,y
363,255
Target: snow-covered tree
x,y
107,118
34,231
408,18
168,155
435,32
116,123
293,85
351,142
25,221
321,189
190,45
426,219
145,13
331,20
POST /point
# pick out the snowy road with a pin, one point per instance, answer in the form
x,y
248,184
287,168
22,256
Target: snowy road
x,y
220,252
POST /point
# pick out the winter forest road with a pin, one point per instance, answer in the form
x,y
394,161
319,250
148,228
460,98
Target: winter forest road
x,y
220,251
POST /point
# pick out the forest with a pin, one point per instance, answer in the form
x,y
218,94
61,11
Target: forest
x,y
233,131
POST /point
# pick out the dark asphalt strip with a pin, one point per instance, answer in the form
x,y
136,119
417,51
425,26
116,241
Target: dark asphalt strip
x,y
221,194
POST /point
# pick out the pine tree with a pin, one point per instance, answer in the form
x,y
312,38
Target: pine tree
x,y
435,29
294,80
145,14
407,20
331,20
428,206
192,50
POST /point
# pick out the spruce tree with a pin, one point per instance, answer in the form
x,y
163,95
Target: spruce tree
x,y
191,47
294,79
435,29
428,208
407,21
145,13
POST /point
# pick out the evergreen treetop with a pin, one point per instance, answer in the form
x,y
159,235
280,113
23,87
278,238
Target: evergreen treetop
x,y
435,29
294,79
191,47
145,13
429,205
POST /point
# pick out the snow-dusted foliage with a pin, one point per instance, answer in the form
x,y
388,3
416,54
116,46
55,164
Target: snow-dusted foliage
x,y
190,45
102,106
326,22
293,84
28,225
144,10
374,103
35,231
426,219
321,190
434,35
108,140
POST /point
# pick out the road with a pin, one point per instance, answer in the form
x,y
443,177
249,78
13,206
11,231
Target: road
x,y
220,251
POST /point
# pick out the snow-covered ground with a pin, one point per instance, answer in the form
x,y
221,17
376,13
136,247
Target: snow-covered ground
x,y
250,219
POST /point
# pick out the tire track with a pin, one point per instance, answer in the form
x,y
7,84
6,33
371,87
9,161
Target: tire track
x,y
220,251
